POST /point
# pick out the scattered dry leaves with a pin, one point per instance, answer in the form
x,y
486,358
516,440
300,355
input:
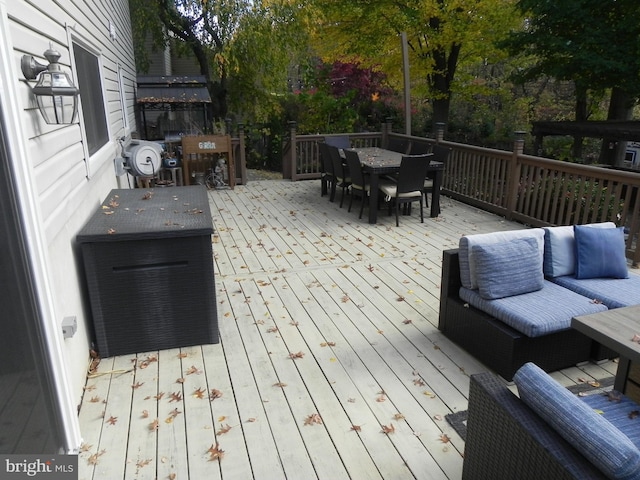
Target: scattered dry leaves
x,y
313,419
93,459
356,428
175,397
294,356
193,369
444,438
112,420
153,426
199,393
215,393
223,429
388,429
215,453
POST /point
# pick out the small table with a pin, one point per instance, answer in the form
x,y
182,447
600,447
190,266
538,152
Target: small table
x,y
148,264
615,329
378,161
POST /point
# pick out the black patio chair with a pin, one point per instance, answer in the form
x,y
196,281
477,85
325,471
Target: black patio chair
x,y
326,169
340,174
399,145
359,184
340,141
440,154
420,148
408,188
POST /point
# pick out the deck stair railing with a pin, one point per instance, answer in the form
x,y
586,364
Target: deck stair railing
x,y
533,190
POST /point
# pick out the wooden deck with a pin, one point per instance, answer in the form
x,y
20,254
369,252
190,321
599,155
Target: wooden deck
x,y
330,363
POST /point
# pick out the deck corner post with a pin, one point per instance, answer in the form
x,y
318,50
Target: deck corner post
x,y
440,126
514,173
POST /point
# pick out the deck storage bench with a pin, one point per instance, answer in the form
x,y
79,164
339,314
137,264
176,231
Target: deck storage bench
x,y
148,264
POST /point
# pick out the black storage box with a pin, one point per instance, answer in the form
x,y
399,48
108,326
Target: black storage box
x,y
148,263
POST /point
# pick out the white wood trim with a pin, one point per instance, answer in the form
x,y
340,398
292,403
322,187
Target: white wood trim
x,y
36,244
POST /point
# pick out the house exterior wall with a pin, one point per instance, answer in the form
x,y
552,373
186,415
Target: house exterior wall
x,y
63,184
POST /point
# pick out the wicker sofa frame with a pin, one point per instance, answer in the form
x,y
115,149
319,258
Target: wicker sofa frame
x,y
506,439
500,347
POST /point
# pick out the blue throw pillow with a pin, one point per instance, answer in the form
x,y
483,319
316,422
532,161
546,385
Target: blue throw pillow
x,y
596,438
508,268
600,252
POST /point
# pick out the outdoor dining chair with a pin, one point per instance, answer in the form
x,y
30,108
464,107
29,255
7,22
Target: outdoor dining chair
x,y
409,186
326,169
340,141
440,154
399,145
340,174
359,184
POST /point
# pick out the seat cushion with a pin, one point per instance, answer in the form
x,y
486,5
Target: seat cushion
x,y
595,437
466,243
600,252
619,411
559,249
612,292
508,268
536,313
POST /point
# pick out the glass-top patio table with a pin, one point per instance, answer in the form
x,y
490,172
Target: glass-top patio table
x,y
378,161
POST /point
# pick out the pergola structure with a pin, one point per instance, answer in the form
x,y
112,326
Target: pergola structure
x,y
610,130
162,98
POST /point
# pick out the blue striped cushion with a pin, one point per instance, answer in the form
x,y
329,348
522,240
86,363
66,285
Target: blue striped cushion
x,y
618,414
560,249
596,438
613,292
509,268
536,313
466,244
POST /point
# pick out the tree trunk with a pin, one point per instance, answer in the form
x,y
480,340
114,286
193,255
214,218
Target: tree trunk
x,y
620,108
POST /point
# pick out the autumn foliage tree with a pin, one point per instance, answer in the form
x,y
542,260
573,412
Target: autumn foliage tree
x,y
440,34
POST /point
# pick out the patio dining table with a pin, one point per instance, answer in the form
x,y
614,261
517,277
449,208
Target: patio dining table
x,y
378,161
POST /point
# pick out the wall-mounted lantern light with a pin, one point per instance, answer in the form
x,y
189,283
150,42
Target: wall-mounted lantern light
x,y
55,93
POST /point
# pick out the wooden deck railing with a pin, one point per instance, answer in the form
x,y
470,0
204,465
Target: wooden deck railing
x,y
533,190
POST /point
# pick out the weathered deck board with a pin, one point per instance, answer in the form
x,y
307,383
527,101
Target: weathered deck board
x,y
356,303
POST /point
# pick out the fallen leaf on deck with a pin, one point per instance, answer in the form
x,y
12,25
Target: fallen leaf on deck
x,y
182,355
191,370
313,419
153,426
199,393
356,428
175,397
215,453
444,438
112,420
398,416
145,414
407,321
419,382
137,385
94,399
296,355
143,463
223,429
93,459
85,447
215,393
388,429
280,384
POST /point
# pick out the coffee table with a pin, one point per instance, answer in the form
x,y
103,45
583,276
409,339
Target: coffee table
x,y
615,329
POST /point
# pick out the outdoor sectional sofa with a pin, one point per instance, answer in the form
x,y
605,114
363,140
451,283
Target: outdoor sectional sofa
x,y
508,297
547,432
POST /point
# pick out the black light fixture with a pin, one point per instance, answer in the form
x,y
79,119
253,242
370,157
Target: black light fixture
x,y
55,93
